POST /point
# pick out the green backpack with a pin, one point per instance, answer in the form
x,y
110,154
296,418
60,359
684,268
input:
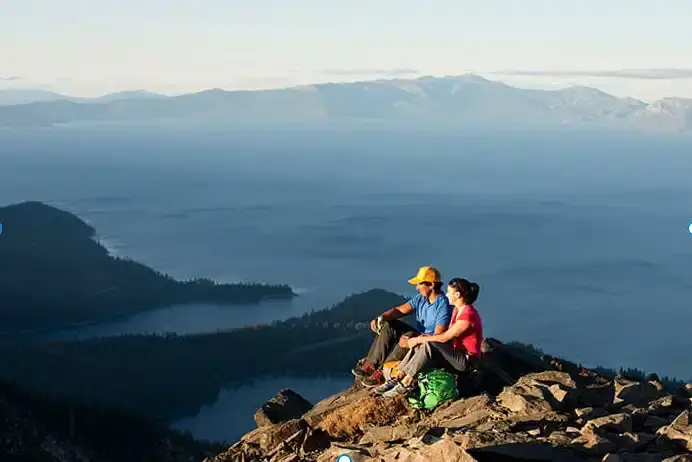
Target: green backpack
x,y
436,387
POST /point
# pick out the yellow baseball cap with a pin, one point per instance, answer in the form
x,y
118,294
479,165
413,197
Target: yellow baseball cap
x,y
426,274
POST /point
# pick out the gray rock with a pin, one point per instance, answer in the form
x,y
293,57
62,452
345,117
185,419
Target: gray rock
x,y
469,420
391,433
637,393
594,444
460,408
590,412
679,458
615,423
679,431
286,405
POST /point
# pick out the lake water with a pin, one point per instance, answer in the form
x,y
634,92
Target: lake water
x,y
192,318
579,240
231,416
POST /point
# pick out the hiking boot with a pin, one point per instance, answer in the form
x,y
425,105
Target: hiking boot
x,y
363,369
399,390
375,379
385,387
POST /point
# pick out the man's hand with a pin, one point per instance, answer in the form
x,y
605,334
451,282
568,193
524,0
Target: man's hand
x,y
404,341
412,342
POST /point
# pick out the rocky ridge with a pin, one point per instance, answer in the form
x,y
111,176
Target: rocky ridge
x,y
515,406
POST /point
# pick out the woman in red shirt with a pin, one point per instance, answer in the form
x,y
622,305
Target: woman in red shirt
x,y
452,348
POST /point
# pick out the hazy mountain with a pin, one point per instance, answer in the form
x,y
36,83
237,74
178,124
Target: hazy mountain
x,y
123,95
24,96
11,97
457,100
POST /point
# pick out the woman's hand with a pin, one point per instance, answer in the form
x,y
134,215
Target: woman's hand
x,y
405,342
412,342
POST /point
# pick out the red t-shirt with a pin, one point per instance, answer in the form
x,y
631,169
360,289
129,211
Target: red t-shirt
x,y
470,340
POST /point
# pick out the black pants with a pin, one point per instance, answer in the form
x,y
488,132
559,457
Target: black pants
x,y
386,347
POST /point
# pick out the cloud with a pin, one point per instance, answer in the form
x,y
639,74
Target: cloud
x,y
643,74
12,78
356,72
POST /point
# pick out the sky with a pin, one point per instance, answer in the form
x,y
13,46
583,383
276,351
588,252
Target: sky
x,y
639,48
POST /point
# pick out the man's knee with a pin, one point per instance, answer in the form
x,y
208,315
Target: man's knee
x,y
388,328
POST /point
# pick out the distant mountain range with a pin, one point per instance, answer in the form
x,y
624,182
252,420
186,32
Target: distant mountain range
x,y
456,100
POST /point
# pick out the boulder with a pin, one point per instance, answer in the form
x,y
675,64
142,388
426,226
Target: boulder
x,y
667,406
272,441
442,450
599,393
460,408
615,423
544,422
560,438
269,437
588,413
525,399
314,440
477,439
539,392
594,444
286,405
634,392
679,431
465,412
391,433
679,458
469,420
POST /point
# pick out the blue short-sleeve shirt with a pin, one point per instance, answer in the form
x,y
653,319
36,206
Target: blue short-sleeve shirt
x,y
429,315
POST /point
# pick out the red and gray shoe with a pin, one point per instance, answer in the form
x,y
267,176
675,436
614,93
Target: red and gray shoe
x,y
375,379
363,369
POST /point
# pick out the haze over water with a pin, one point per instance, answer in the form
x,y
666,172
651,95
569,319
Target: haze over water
x,y
579,240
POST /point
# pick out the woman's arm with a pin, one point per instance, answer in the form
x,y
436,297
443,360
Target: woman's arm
x,y
454,331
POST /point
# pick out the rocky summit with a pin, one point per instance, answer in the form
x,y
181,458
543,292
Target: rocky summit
x,y
515,406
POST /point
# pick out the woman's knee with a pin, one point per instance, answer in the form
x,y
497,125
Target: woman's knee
x,y
427,349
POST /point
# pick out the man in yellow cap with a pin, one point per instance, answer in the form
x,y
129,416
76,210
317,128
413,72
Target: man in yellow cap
x,y
432,314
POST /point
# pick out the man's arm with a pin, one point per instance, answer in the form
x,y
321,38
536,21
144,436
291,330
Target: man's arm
x,y
394,313
397,312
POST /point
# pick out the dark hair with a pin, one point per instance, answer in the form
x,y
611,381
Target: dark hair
x,y
437,286
468,290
